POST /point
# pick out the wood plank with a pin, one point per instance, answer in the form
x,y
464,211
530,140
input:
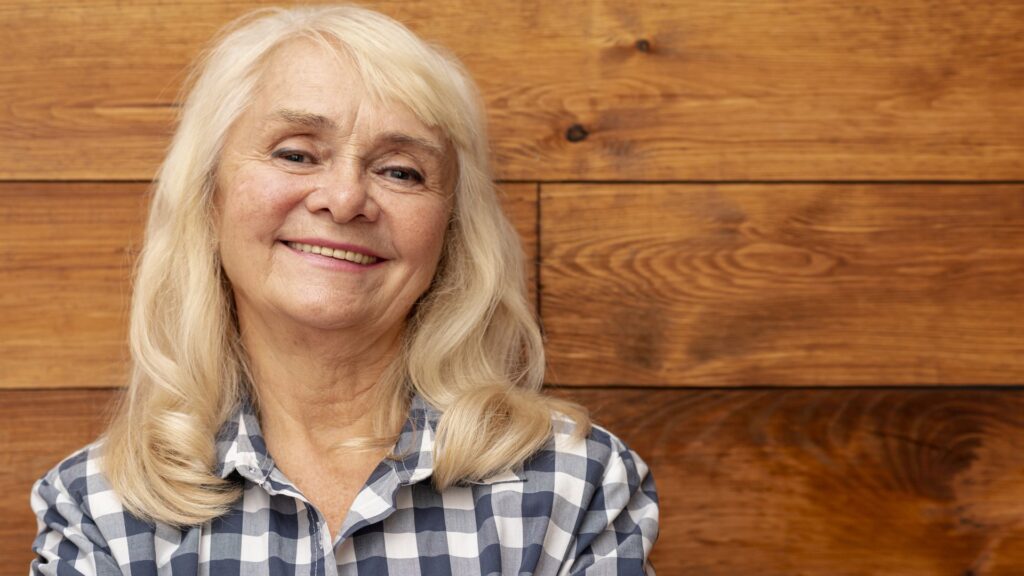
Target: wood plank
x,y
726,285
37,429
773,482
694,90
66,254
520,204
830,482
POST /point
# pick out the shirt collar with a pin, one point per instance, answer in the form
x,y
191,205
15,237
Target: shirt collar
x,y
241,448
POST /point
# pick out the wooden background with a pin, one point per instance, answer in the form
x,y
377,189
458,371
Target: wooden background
x,y
779,248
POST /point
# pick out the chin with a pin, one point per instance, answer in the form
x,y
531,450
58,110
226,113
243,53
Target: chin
x,y
313,311
326,321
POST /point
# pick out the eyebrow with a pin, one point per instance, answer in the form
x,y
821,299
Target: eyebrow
x,y
403,139
306,119
322,123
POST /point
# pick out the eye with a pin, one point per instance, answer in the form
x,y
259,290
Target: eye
x,y
403,174
295,156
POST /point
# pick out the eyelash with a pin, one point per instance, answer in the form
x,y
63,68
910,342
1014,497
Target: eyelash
x,y
414,175
283,154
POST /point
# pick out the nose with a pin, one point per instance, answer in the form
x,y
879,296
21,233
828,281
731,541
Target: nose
x,y
344,193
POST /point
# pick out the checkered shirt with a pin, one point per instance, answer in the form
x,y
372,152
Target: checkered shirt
x,y
575,507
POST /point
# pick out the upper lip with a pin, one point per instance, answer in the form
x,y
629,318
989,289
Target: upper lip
x,y
337,246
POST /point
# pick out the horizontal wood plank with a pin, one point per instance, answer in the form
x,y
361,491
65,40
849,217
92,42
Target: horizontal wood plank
x,y
581,90
811,285
37,429
66,254
798,482
830,482
520,204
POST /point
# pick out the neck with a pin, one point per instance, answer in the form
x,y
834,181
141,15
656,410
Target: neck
x,y
317,387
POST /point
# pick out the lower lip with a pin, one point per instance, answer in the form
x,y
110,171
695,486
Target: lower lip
x,y
332,263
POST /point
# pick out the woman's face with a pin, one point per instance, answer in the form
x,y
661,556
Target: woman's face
x,y
331,208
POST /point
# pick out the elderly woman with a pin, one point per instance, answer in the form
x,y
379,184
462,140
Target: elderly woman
x,y
335,367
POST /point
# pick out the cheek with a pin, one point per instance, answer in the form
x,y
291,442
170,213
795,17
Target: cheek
x,y
435,231
254,206
424,232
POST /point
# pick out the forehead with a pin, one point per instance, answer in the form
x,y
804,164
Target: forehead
x,y
302,69
304,79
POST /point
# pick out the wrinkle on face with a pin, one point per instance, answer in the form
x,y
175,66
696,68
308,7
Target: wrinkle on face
x,y
310,102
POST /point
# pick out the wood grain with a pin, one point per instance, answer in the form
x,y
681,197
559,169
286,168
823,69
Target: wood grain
x,y
37,429
830,482
811,288
66,254
520,204
774,482
816,285
649,90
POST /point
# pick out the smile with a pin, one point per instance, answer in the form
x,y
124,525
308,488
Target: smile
x,y
336,254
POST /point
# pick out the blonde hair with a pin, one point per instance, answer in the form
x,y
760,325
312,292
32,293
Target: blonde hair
x,y
472,346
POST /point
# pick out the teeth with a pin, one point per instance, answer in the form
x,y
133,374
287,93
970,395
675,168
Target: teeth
x,y
337,254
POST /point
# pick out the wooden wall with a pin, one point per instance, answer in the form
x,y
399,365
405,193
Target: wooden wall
x,y
779,248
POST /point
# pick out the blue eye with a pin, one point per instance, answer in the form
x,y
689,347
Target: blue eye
x,y
294,156
405,174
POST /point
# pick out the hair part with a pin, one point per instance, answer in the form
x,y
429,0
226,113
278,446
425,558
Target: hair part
x,y
472,346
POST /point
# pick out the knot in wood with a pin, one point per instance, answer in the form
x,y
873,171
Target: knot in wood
x,y
576,133
643,45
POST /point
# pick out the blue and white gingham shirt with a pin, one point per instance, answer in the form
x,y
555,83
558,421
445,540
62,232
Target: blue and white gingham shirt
x,y
576,507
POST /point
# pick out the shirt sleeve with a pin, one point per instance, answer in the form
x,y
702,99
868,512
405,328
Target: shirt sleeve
x,y
68,541
621,524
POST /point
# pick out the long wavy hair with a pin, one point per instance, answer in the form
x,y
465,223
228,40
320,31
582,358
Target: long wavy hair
x,y
472,347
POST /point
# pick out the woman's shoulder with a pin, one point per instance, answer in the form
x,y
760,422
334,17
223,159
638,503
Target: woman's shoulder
x,y
78,474
81,520
587,496
76,492
589,453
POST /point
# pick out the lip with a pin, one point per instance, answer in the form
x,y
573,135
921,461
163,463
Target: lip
x,y
336,246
